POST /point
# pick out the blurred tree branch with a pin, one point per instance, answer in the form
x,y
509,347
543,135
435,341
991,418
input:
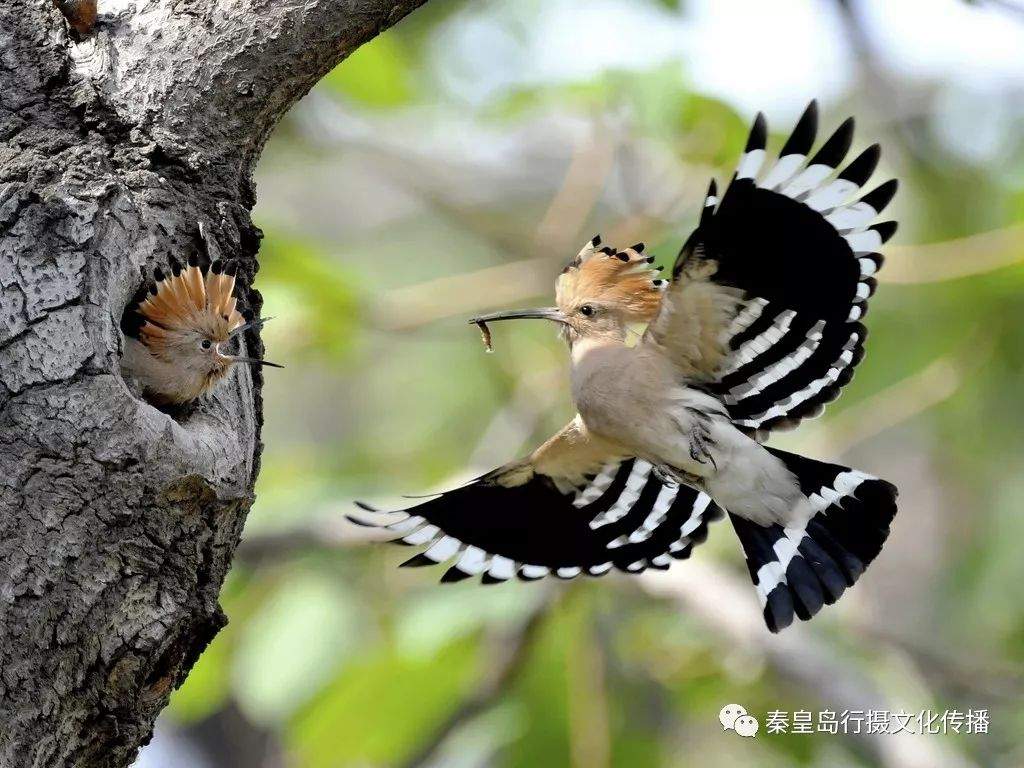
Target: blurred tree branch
x,y
901,401
523,279
533,262
954,259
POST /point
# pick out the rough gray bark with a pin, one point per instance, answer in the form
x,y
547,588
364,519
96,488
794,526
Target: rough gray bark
x,y
118,522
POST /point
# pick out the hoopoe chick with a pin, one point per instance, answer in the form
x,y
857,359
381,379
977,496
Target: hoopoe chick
x,y
179,330
758,328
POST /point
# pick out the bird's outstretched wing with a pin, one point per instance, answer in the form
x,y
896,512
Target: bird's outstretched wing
x,y
573,507
769,290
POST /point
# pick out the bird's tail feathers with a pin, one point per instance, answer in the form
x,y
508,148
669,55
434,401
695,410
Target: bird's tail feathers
x,y
798,569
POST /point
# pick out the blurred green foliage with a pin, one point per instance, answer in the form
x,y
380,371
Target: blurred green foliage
x,y
325,297
398,696
379,74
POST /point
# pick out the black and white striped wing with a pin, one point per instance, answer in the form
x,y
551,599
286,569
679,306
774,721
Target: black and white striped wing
x,y
624,517
803,253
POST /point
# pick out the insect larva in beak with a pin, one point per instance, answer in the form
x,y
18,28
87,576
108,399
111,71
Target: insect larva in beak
x,y
485,334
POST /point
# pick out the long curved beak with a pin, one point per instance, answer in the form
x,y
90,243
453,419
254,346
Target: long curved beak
x,y
253,361
545,313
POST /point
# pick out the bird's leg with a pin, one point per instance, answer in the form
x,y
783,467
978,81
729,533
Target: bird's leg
x,y
696,429
675,476
666,474
700,443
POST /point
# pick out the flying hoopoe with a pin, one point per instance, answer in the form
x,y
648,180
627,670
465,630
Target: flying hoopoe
x,y
178,329
758,328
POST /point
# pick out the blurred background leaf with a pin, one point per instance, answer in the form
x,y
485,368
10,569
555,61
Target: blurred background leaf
x,y
379,74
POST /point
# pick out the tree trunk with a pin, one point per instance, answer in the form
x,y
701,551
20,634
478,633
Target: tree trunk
x,y
117,521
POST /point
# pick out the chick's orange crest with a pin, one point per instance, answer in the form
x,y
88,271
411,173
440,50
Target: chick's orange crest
x,y
188,302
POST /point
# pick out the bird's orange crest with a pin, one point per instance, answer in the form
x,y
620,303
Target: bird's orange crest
x,y
622,280
194,299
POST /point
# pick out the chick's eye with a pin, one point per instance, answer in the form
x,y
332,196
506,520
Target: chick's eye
x,y
587,310
206,344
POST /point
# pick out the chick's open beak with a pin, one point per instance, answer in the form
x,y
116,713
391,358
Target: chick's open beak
x,y
545,313
255,324
253,361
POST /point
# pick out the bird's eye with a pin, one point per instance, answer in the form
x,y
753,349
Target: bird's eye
x,y
587,310
206,344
